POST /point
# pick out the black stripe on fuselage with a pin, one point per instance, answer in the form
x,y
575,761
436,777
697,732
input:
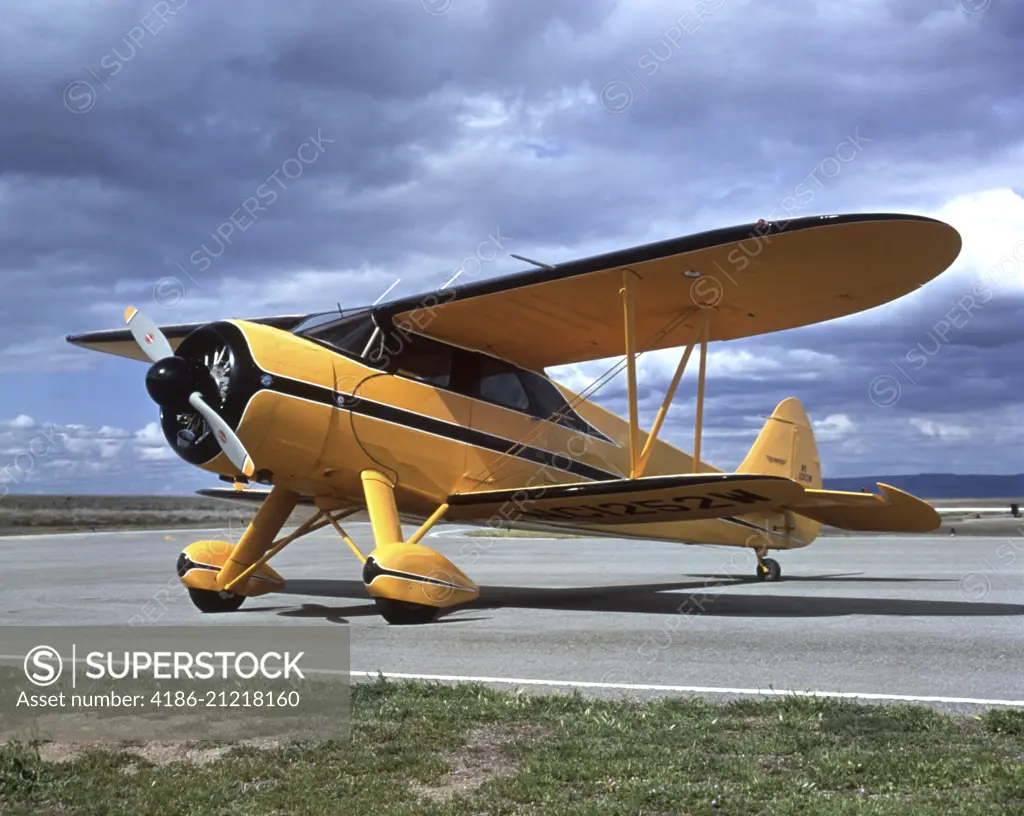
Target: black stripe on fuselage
x,y
438,427
619,487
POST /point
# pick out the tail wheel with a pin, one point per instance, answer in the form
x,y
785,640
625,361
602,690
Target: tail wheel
x,y
768,569
206,600
403,613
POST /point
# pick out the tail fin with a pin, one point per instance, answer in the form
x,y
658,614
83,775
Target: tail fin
x,y
786,447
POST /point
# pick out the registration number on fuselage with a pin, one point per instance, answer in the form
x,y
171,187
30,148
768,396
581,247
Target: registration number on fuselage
x,y
650,507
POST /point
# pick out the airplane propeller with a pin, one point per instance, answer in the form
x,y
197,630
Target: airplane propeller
x,y
148,335
176,384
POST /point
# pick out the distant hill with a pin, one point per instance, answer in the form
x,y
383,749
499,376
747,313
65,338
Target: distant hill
x,y
939,485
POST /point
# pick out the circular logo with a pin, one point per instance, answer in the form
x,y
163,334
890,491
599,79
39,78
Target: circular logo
x,y
975,6
884,390
618,677
437,7
706,292
169,292
974,587
79,96
43,666
345,392
616,96
436,592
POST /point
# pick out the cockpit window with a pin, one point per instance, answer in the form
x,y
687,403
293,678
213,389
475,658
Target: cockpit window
x,y
415,356
429,362
317,319
499,383
400,351
349,333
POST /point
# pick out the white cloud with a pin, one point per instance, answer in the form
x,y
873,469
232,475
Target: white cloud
x,y
150,436
151,446
941,430
834,427
21,421
45,353
163,454
991,223
77,458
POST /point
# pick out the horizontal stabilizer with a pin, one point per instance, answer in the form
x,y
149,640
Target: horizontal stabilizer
x,y
892,512
687,497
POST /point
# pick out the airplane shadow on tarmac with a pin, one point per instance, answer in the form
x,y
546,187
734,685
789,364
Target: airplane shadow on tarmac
x,y
688,597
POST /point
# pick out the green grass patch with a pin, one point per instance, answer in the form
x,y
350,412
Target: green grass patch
x,y
420,748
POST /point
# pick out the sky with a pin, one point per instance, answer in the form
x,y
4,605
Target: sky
x,y
201,161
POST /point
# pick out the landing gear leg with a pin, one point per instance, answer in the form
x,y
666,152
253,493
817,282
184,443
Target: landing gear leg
x,y
768,569
410,583
220,575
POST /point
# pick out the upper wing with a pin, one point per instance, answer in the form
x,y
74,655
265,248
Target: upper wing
x,y
687,497
759,278
121,342
893,512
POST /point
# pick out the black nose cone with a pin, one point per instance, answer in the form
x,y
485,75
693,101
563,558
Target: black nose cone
x,y
167,382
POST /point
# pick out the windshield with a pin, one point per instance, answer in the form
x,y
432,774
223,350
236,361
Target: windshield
x,y
318,319
348,332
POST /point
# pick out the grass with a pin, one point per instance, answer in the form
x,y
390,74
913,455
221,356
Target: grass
x,y
26,514
418,748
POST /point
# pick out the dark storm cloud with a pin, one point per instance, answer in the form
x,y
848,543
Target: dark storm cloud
x,y
142,142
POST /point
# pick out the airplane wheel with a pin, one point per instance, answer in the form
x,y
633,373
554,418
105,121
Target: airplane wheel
x,y
403,613
769,570
207,601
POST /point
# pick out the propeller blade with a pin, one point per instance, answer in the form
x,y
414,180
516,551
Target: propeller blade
x,y
229,443
146,333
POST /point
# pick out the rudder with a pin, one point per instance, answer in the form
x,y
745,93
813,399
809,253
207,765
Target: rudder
x,y
786,447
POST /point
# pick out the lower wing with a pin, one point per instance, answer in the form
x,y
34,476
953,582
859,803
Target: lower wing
x,y
685,497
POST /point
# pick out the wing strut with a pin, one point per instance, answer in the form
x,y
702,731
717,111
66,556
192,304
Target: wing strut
x,y
705,323
637,457
630,325
699,335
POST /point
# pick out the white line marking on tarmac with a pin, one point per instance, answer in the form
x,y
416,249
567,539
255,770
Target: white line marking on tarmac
x,y
519,681
449,532
848,695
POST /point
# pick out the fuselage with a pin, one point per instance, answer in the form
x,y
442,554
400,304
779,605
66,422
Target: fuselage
x,y
315,410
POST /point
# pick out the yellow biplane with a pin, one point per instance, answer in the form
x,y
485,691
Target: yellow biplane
x,y
437,408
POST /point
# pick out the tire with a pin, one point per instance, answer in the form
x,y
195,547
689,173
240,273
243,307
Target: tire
x,y
774,570
208,601
403,613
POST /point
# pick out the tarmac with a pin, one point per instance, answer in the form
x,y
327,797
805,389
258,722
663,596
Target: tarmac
x,y
937,620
